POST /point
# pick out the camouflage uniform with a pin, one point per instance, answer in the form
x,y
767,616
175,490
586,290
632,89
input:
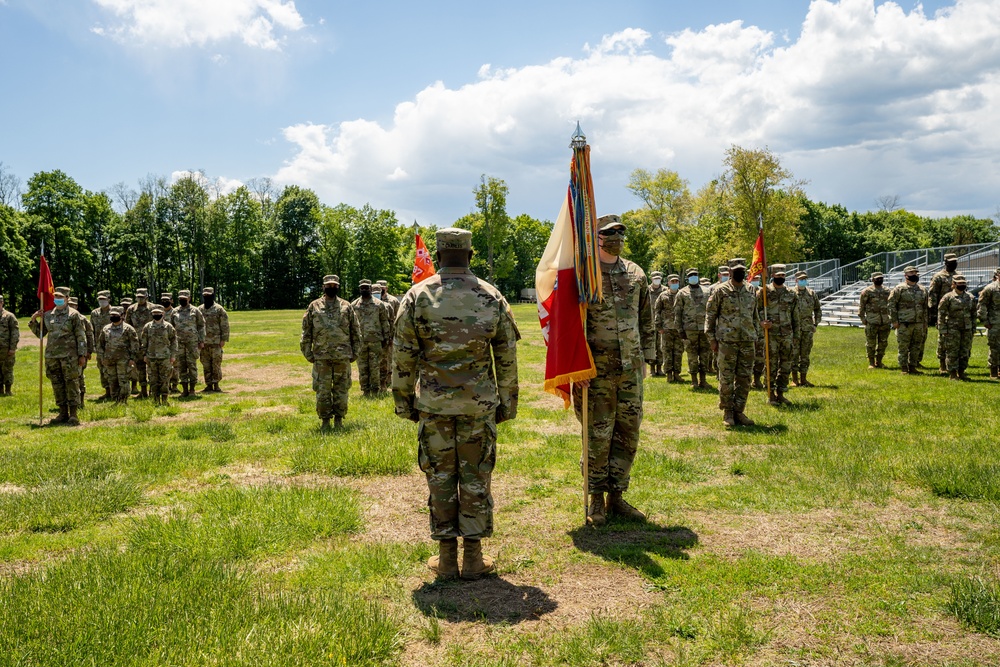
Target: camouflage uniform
x,y
457,342
393,304
91,347
956,324
873,309
759,358
158,345
67,344
189,326
166,300
100,318
654,293
810,314
731,322
722,277
374,321
10,334
689,317
783,313
117,349
138,316
216,337
908,314
989,315
671,343
940,285
330,339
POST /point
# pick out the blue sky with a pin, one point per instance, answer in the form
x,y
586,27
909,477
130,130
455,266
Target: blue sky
x,y
405,104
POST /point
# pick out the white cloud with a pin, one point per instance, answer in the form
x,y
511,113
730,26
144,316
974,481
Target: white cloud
x,y
866,101
179,23
215,187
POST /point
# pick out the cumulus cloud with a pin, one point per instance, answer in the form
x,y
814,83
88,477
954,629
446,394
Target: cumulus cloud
x,y
178,23
868,100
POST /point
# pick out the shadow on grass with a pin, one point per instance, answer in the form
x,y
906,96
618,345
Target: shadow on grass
x,y
636,547
767,429
801,406
491,600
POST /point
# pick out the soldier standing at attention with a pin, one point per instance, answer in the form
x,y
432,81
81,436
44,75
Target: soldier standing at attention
x,y
189,327
940,285
810,314
908,314
671,345
873,309
331,338
989,315
782,323
758,346
158,348
621,336
689,317
10,334
100,317
65,354
117,350
956,324
167,301
393,304
456,340
374,322
731,324
138,316
91,348
216,337
656,288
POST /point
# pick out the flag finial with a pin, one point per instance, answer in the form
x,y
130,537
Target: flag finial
x,y
579,138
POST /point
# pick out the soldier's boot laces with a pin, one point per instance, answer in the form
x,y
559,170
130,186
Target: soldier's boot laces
x,y
871,363
618,505
445,564
805,382
63,416
728,418
474,563
596,513
73,419
743,420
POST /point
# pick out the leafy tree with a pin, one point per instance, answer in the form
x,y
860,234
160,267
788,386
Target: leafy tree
x,y
491,200
830,232
641,237
15,266
289,261
668,202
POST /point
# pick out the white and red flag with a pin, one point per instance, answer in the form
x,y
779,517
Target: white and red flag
x,y
423,265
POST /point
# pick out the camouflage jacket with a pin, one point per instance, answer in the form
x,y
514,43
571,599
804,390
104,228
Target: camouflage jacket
x,y
654,293
118,343
989,304
188,323
330,331
216,324
782,310
91,342
158,341
100,319
393,303
908,304
689,308
940,285
456,340
66,332
392,320
620,328
731,315
10,332
873,308
663,311
956,312
809,311
138,316
374,320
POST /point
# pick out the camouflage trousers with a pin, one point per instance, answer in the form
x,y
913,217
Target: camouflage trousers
x,y
369,367
117,374
457,453
671,350
64,374
802,347
385,368
83,380
876,339
187,362
614,404
699,352
211,363
103,370
781,350
993,341
139,371
910,338
331,382
660,352
159,371
736,361
957,346
758,355
6,369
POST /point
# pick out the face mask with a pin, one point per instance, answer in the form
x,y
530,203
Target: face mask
x,y
878,282
165,303
59,302
657,281
366,294
739,275
692,280
803,283
157,316
208,301
779,281
960,288
183,301
613,245
103,303
951,264
377,296
674,286
142,299
755,282
723,279
331,292
913,279
116,318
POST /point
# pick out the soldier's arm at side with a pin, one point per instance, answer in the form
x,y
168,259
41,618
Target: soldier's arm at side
x,y
679,314
404,374
504,345
172,336
817,310
15,334
711,316
982,311
647,333
199,323
893,304
863,307
223,328
306,339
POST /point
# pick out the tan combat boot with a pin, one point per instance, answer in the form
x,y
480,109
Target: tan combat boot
x,y
728,419
994,374
953,375
145,391
474,563
795,378
756,381
184,390
743,420
772,398
7,391
62,418
871,362
596,514
781,397
914,370
445,564
701,381
73,420
804,382
338,422
878,362
617,505
942,368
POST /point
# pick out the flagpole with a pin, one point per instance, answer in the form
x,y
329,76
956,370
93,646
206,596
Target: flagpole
x,y
763,284
586,455
41,345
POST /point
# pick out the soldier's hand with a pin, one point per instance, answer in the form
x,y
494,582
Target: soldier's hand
x,y
500,415
584,383
36,315
201,346
767,324
415,416
715,346
83,360
222,344
895,325
684,334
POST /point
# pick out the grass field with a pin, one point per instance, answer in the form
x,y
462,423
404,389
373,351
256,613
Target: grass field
x,y
859,526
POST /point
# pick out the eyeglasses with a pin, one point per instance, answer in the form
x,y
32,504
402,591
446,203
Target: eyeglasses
x,y
610,234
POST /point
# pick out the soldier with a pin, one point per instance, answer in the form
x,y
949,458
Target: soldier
x,y
908,314
91,348
117,351
656,288
731,324
722,276
138,316
167,301
374,321
809,316
100,317
689,317
456,340
126,304
941,283
956,325
873,309
331,337
10,334
621,336
782,323
216,337
671,346
65,354
393,304
158,348
189,327
758,346
989,315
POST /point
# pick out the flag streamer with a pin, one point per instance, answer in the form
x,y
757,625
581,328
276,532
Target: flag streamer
x,y
423,265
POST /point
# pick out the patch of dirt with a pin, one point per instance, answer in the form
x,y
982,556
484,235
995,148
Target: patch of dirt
x,y
953,646
256,377
11,488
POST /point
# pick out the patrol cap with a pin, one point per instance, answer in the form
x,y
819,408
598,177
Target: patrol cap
x,y
365,282
1,298
117,310
736,262
691,272
996,273
724,268
167,295
705,281
331,280
949,256
186,293
72,301
608,222
104,294
878,274
910,269
674,276
800,275
208,291
383,283
126,301
777,270
143,292
65,290
156,309
655,274
453,238
958,279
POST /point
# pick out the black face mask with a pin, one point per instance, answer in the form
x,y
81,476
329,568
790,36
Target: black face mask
x,y
209,301
157,316
366,294
912,279
778,281
183,301
116,318
951,264
960,288
739,275
165,303
331,292
878,282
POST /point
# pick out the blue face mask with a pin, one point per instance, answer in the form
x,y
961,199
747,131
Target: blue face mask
x,y
59,302
803,283
723,279
692,280
675,286
755,282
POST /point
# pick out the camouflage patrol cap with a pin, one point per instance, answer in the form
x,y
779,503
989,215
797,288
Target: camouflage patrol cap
x,y
777,270
383,283
959,279
72,301
167,295
691,272
157,309
655,274
118,310
705,281
126,301
453,238
365,282
606,222
996,273
331,280
910,269
186,293
800,275
738,261
65,290
143,292
104,294
673,276
61,291
723,268
208,291
878,274
950,256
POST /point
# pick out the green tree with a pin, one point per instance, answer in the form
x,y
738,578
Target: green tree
x,y
15,266
491,200
290,264
376,238
830,232
668,210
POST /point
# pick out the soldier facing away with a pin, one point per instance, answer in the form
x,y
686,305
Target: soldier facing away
x,y
941,283
189,326
956,324
65,354
100,317
689,316
374,321
989,314
216,337
670,343
873,310
10,334
456,340
158,348
117,351
810,314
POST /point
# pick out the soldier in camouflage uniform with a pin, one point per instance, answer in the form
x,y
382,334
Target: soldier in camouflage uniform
x,y
375,329
91,348
331,338
758,347
621,336
873,309
908,314
456,340
10,334
782,323
158,348
393,304
138,316
810,315
671,345
689,317
65,354
189,327
989,314
731,324
656,288
956,325
722,276
216,337
117,351
167,301
941,283
100,317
